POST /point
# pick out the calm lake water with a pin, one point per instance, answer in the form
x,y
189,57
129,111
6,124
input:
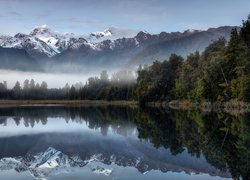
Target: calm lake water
x,y
104,142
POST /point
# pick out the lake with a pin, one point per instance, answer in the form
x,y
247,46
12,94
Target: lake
x,y
112,142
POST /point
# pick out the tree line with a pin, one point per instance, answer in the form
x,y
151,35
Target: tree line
x,y
220,73
119,86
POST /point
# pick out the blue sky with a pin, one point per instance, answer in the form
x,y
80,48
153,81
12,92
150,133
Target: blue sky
x,y
84,16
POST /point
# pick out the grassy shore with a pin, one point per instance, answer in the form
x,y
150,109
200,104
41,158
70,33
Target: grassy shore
x,y
235,107
66,102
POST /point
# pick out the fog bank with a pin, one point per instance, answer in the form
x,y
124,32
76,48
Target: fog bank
x,y
54,80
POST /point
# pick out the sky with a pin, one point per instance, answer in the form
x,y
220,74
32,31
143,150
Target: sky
x,y
85,16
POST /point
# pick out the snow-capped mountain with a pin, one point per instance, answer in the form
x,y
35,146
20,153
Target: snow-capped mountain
x,y
51,162
191,31
143,48
43,42
43,164
33,45
111,33
5,38
57,41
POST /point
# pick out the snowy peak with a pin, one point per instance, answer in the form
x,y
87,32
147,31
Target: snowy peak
x,y
42,42
111,33
43,164
41,30
33,45
142,36
20,36
45,31
57,41
48,163
6,40
191,31
98,35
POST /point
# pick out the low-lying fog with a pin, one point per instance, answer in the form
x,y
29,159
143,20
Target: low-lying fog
x,y
54,80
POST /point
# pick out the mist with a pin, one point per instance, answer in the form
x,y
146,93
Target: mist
x,y
54,80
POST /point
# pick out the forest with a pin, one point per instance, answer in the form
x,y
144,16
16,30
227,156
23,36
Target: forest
x,y
220,73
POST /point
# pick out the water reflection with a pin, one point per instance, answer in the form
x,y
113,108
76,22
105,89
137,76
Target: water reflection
x,y
217,144
223,139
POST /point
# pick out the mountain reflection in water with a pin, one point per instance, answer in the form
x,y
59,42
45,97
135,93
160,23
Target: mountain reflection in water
x,y
43,140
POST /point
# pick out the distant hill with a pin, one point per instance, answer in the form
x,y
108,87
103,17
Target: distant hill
x,y
17,59
183,45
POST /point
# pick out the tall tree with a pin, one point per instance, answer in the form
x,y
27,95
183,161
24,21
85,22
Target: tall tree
x,y
26,84
32,84
44,85
17,87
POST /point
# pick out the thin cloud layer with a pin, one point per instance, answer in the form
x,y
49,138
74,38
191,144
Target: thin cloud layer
x,y
87,16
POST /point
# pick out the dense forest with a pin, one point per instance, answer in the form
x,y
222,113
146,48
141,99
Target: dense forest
x,y
220,73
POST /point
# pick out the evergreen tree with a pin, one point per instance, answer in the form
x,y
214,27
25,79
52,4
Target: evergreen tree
x,y
32,84
17,87
44,86
26,84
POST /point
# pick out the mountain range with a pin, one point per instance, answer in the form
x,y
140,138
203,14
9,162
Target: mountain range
x,y
42,165
112,48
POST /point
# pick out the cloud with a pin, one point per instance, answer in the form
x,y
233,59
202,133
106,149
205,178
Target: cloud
x,y
14,13
141,18
75,21
43,14
195,25
20,1
11,14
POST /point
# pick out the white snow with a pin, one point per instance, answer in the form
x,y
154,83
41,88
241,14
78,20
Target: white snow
x,y
54,39
44,26
101,170
9,163
111,33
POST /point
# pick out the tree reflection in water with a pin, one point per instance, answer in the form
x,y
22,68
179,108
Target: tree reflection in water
x,y
222,138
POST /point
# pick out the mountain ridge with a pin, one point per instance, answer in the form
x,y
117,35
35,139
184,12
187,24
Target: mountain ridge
x,y
55,51
52,161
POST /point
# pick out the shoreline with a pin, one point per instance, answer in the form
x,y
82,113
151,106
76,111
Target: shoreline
x,y
67,102
235,107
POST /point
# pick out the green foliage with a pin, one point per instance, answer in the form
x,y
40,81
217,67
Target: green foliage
x,y
156,82
220,73
187,76
245,31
